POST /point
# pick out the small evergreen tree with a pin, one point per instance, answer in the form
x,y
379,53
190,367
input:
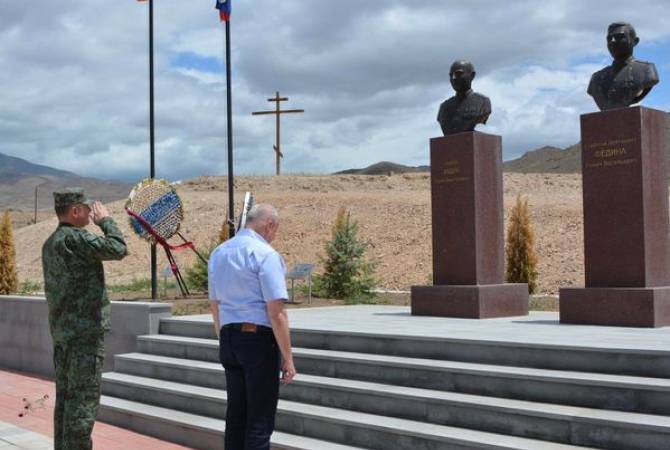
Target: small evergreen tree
x,y
347,274
196,275
519,251
9,281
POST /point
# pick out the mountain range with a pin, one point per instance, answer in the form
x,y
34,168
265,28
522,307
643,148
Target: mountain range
x,y
542,160
20,178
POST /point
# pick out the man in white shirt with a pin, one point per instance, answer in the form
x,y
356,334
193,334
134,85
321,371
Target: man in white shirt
x,y
247,290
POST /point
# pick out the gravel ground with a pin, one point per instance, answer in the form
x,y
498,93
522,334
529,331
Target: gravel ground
x,y
393,213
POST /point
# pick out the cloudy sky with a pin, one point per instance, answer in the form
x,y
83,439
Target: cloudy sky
x,y
369,73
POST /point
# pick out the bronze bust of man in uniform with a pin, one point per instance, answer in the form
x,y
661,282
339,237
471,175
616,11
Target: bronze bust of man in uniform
x,y
626,81
466,109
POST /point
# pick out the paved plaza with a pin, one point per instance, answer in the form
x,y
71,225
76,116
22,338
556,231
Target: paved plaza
x,y
34,431
542,328
13,437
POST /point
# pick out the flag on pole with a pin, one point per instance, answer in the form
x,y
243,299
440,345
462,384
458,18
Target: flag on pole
x,y
224,9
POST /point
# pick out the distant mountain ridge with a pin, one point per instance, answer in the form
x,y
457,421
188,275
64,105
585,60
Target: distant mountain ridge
x,y
555,160
383,168
19,178
547,160
12,167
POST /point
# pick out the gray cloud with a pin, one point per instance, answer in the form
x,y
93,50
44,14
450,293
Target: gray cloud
x,y
370,76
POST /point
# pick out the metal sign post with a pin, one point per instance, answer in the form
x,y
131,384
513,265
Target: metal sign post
x,y
300,272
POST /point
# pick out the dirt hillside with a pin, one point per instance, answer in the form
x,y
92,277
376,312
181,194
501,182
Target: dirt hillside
x,y
393,212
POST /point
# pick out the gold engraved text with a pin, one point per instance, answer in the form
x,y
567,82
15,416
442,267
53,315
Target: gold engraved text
x,y
610,152
451,173
612,143
620,162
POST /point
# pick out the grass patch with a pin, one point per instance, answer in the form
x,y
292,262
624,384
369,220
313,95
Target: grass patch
x,y
543,303
29,287
141,289
188,308
137,285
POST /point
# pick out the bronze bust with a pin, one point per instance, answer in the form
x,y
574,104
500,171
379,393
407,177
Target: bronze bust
x,y
626,81
466,109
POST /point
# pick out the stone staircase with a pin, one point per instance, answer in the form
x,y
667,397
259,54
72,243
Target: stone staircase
x,y
364,390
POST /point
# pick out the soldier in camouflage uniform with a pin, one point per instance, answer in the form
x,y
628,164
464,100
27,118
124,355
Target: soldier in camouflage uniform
x,y
79,310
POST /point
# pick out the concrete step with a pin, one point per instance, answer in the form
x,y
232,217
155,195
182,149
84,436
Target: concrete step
x,y
319,422
564,424
191,430
636,362
591,390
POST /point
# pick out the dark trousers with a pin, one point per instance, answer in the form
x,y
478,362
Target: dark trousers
x,y
252,365
78,369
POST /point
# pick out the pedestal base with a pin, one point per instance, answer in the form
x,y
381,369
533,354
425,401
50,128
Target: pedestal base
x,y
482,301
622,307
625,189
467,209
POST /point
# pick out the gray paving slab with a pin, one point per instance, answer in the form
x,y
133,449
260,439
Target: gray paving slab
x,y
207,430
542,328
14,438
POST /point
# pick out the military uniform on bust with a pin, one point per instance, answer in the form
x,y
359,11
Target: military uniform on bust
x,y
79,311
626,81
457,115
465,110
620,85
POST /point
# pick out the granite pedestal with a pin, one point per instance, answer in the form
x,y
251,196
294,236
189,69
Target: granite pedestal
x,y
626,242
467,225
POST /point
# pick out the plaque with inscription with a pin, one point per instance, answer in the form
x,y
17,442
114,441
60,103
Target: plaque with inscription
x,y
300,271
451,171
626,229
467,224
619,176
609,153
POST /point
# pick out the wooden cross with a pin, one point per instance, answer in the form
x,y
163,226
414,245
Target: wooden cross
x,y
278,113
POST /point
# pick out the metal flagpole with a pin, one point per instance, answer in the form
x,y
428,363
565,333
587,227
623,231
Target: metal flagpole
x,y
152,140
231,195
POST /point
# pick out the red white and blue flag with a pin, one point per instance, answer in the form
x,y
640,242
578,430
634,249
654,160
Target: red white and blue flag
x,y
224,9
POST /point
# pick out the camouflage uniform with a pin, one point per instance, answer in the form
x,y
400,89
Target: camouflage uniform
x,y
79,315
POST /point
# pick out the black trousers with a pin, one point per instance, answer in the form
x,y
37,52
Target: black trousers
x,y
252,364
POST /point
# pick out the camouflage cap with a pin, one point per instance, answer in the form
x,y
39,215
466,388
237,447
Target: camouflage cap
x,y
71,196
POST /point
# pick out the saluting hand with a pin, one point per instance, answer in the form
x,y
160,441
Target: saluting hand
x,y
98,212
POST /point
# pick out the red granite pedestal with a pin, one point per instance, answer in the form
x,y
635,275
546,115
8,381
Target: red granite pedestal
x,y
626,241
468,242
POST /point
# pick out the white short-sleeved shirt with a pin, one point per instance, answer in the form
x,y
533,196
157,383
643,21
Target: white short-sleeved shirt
x,y
244,274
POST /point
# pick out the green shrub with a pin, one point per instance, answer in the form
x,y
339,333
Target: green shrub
x,y
347,274
196,275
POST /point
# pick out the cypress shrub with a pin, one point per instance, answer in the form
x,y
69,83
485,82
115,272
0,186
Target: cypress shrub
x,y
521,262
9,281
